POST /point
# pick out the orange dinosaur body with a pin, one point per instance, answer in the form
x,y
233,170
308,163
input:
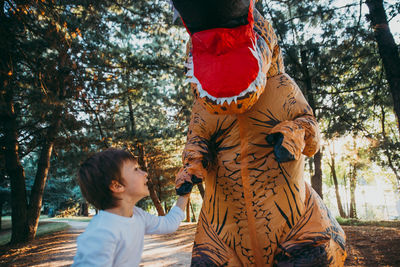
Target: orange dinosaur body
x,y
258,211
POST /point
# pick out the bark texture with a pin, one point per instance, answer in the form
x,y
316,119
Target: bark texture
x,y
388,50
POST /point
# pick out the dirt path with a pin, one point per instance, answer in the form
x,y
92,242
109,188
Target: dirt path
x,y
169,250
366,246
59,248
372,246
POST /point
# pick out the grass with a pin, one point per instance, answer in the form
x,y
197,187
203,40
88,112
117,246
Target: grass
x,y
51,228
6,221
75,219
44,228
47,225
356,222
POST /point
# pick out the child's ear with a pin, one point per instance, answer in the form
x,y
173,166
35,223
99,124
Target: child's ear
x,y
116,187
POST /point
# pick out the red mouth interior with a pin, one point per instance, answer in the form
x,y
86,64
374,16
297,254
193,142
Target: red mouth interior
x,y
222,60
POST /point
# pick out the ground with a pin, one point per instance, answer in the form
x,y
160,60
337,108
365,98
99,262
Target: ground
x,y
372,246
366,246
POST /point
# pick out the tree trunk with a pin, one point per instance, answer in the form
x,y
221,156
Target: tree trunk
x,y
142,162
131,118
387,152
353,179
316,179
155,198
347,206
200,186
8,118
166,208
1,213
84,209
35,201
15,171
335,181
188,211
388,51
1,85
194,215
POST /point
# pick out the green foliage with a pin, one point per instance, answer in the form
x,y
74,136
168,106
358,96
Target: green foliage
x,y
331,52
115,71
356,222
44,228
114,68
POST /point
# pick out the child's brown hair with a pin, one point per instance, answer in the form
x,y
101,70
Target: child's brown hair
x,y
96,174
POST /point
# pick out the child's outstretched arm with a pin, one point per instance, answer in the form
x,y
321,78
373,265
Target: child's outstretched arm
x,y
168,223
182,201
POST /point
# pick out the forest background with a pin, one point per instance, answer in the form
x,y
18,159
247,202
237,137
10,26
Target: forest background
x,y
81,76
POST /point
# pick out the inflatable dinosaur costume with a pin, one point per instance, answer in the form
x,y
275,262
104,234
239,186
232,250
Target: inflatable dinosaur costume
x,y
249,129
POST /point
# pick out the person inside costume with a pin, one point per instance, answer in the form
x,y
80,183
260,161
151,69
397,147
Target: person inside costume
x,y
249,131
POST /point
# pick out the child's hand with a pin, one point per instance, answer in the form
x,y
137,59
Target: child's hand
x,y
184,182
186,187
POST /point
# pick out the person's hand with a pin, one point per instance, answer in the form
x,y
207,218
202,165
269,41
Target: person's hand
x,y
288,141
184,182
280,152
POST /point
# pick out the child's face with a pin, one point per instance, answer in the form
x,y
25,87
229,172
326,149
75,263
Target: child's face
x,y
135,180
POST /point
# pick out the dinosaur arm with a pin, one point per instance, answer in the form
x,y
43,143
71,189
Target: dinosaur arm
x,y
297,135
194,162
311,133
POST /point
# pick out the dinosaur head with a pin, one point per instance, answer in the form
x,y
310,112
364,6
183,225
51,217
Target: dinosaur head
x,y
226,67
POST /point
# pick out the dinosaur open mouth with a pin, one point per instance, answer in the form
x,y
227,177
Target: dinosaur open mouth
x,y
226,64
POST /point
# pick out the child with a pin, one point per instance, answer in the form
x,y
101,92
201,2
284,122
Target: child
x,y
113,182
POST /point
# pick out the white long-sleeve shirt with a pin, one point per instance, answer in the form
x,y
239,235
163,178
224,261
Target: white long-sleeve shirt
x,y
113,240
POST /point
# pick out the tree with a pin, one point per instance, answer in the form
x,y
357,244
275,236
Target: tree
x,y
40,83
332,165
304,56
357,158
330,53
133,93
36,81
385,143
388,50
